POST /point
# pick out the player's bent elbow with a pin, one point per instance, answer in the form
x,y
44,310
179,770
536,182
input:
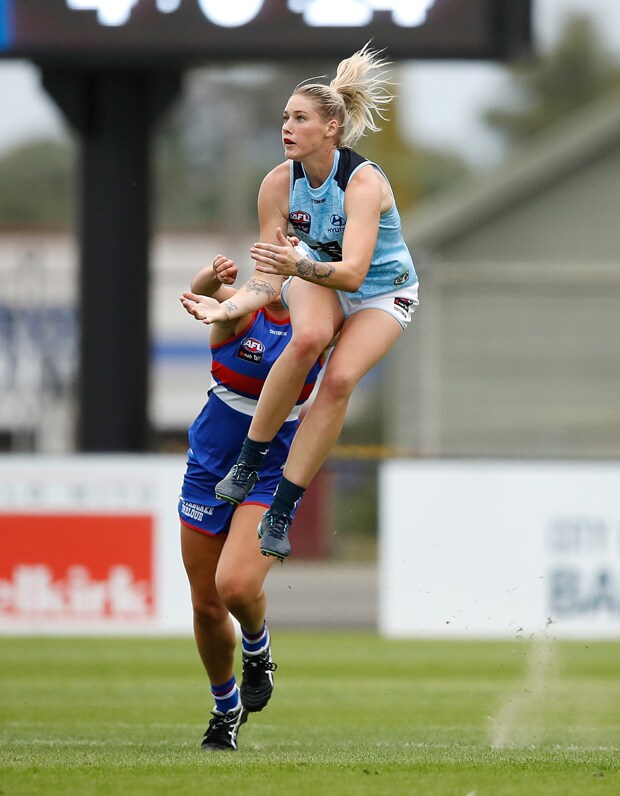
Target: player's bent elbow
x,y
354,283
354,276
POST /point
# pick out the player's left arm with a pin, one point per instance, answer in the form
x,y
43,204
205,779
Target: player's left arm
x,y
210,287
216,280
363,200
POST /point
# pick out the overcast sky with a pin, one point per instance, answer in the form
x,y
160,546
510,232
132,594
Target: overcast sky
x,y
443,98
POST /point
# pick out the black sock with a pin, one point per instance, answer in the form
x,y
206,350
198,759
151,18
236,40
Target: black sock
x,y
286,496
253,453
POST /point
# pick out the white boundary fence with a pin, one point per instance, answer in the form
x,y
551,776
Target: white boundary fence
x,y
90,544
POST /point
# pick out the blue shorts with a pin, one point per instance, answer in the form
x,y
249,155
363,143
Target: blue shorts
x,y
201,511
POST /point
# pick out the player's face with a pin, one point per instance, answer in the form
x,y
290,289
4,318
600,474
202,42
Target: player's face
x,y
304,131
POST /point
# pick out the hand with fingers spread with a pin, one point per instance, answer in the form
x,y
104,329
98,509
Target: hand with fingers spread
x,y
280,258
203,308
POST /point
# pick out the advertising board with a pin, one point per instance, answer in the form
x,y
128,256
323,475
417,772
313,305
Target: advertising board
x,y
90,544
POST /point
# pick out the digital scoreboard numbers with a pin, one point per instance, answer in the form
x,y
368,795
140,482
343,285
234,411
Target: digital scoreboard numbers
x,y
184,31
316,13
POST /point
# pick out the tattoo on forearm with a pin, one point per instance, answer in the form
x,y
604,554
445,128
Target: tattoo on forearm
x,y
258,287
304,267
230,307
318,270
323,270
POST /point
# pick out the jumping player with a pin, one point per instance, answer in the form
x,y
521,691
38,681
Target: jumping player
x,y
341,205
219,546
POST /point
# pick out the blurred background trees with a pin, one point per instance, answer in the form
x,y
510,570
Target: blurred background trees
x,y
213,150
37,185
222,136
575,73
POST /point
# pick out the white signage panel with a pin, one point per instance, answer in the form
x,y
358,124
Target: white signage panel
x,y
499,548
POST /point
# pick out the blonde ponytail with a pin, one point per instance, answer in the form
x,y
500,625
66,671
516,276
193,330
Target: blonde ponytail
x,y
357,95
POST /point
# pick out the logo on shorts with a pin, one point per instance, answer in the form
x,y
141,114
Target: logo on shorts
x,y
251,350
300,220
400,280
403,305
194,511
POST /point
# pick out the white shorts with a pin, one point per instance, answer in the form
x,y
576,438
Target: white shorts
x,y
400,303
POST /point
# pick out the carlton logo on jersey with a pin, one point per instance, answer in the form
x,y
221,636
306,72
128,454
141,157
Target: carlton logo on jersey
x,y
300,220
251,350
403,305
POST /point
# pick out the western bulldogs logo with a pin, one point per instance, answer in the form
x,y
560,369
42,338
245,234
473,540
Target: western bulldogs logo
x,y
251,350
300,220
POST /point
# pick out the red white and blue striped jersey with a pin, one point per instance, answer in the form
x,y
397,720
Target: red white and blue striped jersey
x,y
239,369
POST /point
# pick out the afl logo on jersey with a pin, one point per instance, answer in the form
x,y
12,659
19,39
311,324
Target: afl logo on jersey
x,y
251,350
300,220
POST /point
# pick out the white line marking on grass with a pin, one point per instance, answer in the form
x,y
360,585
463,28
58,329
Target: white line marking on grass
x,y
94,742
520,718
112,742
158,725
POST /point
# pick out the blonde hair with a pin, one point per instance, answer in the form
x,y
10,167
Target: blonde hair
x,y
357,94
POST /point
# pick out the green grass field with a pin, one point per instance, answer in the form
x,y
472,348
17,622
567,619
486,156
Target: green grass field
x,y
351,714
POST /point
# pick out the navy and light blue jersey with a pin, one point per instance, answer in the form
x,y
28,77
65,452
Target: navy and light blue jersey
x,y
318,219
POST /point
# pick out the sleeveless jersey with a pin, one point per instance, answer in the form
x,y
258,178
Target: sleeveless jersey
x,y
318,218
239,369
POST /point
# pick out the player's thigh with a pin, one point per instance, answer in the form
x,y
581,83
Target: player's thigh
x,y
365,338
313,305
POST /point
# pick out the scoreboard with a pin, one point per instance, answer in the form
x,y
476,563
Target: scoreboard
x,y
157,33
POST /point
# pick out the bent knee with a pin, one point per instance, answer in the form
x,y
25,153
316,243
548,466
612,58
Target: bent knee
x,y
236,592
209,612
339,384
310,343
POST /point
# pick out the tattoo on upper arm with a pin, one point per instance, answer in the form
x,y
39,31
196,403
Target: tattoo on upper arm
x,y
257,286
315,268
